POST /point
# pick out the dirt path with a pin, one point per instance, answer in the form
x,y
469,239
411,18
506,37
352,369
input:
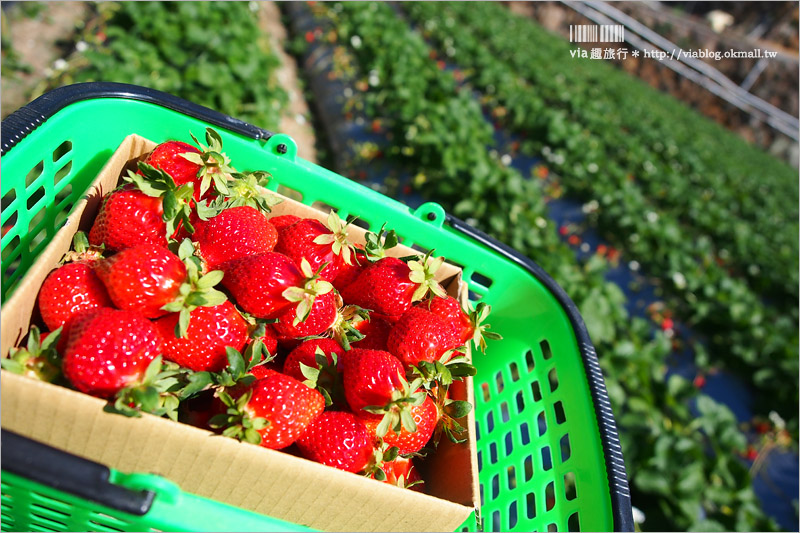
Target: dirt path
x,y
35,39
296,120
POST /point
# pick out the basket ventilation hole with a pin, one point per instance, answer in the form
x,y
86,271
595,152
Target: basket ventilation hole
x,y
49,523
474,297
514,371
62,150
485,389
504,414
490,421
483,498
495,486
496,521
493,453
11,248
569,486
420,249
511,476
552,377
523,431
566,451
512,515
499,381
546,352
63,172
48,509
520,403
550,496
542,423
34,174
537,391
37,195
509,441
361,223
528,468
530,505
529,361
481,280
552,527
8,198
558,407
480,460
294,194
99,518
573,523
547,460
322,206
96,526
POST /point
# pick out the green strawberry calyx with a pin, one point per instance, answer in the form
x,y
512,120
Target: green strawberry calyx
x,y
304,296
324,377
38,359
237,421
343,329
215,166
337,238
423,274
82,250
381,454
244,189
196,291
397,411
476,318
376,244
238,372
157,392
176,201
449,410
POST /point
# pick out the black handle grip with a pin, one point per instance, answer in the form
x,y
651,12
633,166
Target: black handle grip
x,y
26,119
69,473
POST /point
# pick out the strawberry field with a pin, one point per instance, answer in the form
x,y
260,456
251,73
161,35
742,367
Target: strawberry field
x,y
682,257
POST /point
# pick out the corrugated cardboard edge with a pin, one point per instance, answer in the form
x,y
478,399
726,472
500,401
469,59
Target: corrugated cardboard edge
x,y
251,477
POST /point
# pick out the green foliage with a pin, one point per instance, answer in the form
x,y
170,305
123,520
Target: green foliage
x,y
439,133
210,53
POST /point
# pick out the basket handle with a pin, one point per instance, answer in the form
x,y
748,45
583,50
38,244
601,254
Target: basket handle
x,y
26,119
69,473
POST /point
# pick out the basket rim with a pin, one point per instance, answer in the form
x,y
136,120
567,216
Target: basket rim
x,y
25,120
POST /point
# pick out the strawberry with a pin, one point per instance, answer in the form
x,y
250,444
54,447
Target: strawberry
x,y
348,272
284,220
72,287
316,362
266,285
320,244
213,166
376,332
402,473
420,335
108,350
244,190
269,337
274,412
425,415
321,317
168,156
389,286
38,359
210,331
144,278
234,233
467,326
338,439
128,217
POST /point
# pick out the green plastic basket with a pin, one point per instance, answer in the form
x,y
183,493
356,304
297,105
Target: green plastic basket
x,y
45,489
548,450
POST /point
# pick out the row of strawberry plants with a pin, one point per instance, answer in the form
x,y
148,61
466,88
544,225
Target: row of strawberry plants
x,y
671,153
762,339
438,132
213,54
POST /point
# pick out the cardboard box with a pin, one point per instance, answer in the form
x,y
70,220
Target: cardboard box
x,y
255,478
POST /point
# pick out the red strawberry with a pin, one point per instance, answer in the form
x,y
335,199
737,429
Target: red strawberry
x,y
210,331
109,350
284,220
318,243
402,473
144,278
306,353
266,285
72,287
371,377
426,416
376,332
321,317
234,233
467,326
269,338
420,335
338,439
167,157
38,359
348,272
274,412
128,217
389,286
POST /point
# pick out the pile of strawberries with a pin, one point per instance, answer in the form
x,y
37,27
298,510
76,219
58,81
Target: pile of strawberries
x,y
190,300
